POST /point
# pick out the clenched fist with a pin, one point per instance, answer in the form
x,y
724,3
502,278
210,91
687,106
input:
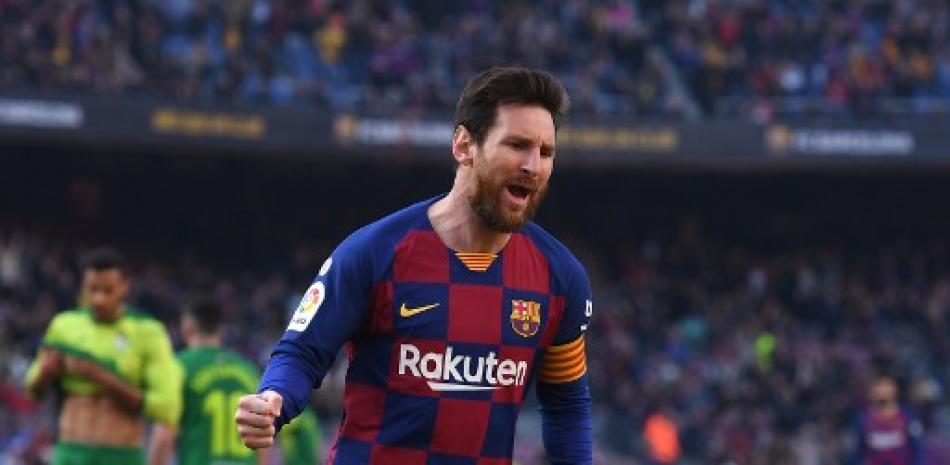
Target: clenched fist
x,y
255,418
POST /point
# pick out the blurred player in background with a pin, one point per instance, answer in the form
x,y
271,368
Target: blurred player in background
x,y
215,378
450,308
114,366
887,434
300,441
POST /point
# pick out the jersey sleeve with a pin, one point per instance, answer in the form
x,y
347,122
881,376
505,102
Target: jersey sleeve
x,y
859,448
565,360
162,392
329,313
34,369
563,392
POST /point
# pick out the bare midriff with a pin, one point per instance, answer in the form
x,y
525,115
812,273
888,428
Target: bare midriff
x,y
97,420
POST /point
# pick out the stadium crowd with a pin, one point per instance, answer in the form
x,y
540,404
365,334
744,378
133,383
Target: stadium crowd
x,y
861,58
756,356
753,58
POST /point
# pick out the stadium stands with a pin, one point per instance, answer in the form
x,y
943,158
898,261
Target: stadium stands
x,y
753,59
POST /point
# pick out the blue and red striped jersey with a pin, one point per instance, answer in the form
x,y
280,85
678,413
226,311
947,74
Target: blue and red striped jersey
x,y
442,344
888,440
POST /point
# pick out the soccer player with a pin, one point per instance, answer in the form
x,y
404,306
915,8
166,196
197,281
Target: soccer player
x,y
214,380
451,308
887,434
300,440
113,364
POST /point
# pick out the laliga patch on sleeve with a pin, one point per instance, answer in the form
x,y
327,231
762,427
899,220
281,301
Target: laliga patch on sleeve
x,y
308,307
326,267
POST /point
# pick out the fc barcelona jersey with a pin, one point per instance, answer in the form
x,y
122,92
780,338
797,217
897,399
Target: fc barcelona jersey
x,y
889,441
442,344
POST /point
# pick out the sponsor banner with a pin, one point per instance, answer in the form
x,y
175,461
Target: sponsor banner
x,y
578,141
781,140
662,139
350,129
307,133
33,113
150,124
207,124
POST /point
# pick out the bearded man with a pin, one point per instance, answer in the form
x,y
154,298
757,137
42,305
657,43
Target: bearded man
x,y
451,308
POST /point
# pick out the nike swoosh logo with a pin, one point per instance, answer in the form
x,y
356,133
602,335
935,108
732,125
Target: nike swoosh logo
x,y
407,312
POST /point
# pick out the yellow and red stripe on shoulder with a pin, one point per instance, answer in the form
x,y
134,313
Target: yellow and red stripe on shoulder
x,y
564,363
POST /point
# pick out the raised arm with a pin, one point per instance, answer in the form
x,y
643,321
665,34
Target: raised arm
x,y
328,315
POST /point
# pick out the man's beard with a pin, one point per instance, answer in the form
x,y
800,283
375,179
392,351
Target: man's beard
x,y
486,199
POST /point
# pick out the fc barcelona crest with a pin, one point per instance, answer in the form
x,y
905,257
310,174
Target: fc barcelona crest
x,y
525,317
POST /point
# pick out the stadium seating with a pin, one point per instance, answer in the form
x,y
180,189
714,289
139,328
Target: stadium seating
x,y
652,58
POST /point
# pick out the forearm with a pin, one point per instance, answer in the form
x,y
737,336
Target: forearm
x,y
566,422
161,444
124,394
36,382
43,372
294,379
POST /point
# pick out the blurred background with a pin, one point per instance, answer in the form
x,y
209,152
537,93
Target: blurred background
x,y
758,188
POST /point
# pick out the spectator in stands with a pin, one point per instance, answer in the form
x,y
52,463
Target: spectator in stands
x,y
661,437
887,433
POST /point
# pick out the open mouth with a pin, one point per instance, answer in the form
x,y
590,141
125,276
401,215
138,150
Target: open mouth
x,y
518,192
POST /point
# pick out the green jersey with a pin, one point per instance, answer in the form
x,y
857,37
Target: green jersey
x,y
135,348
215,380
300,439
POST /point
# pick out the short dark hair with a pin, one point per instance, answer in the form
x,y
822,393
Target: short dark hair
x,y
207,315
104,258
478,105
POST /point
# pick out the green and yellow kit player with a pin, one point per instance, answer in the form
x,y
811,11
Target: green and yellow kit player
x,y
300,440
114,367
215,378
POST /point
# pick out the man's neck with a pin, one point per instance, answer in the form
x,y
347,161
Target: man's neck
x,y
888,413
198,341
460,229
109,319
